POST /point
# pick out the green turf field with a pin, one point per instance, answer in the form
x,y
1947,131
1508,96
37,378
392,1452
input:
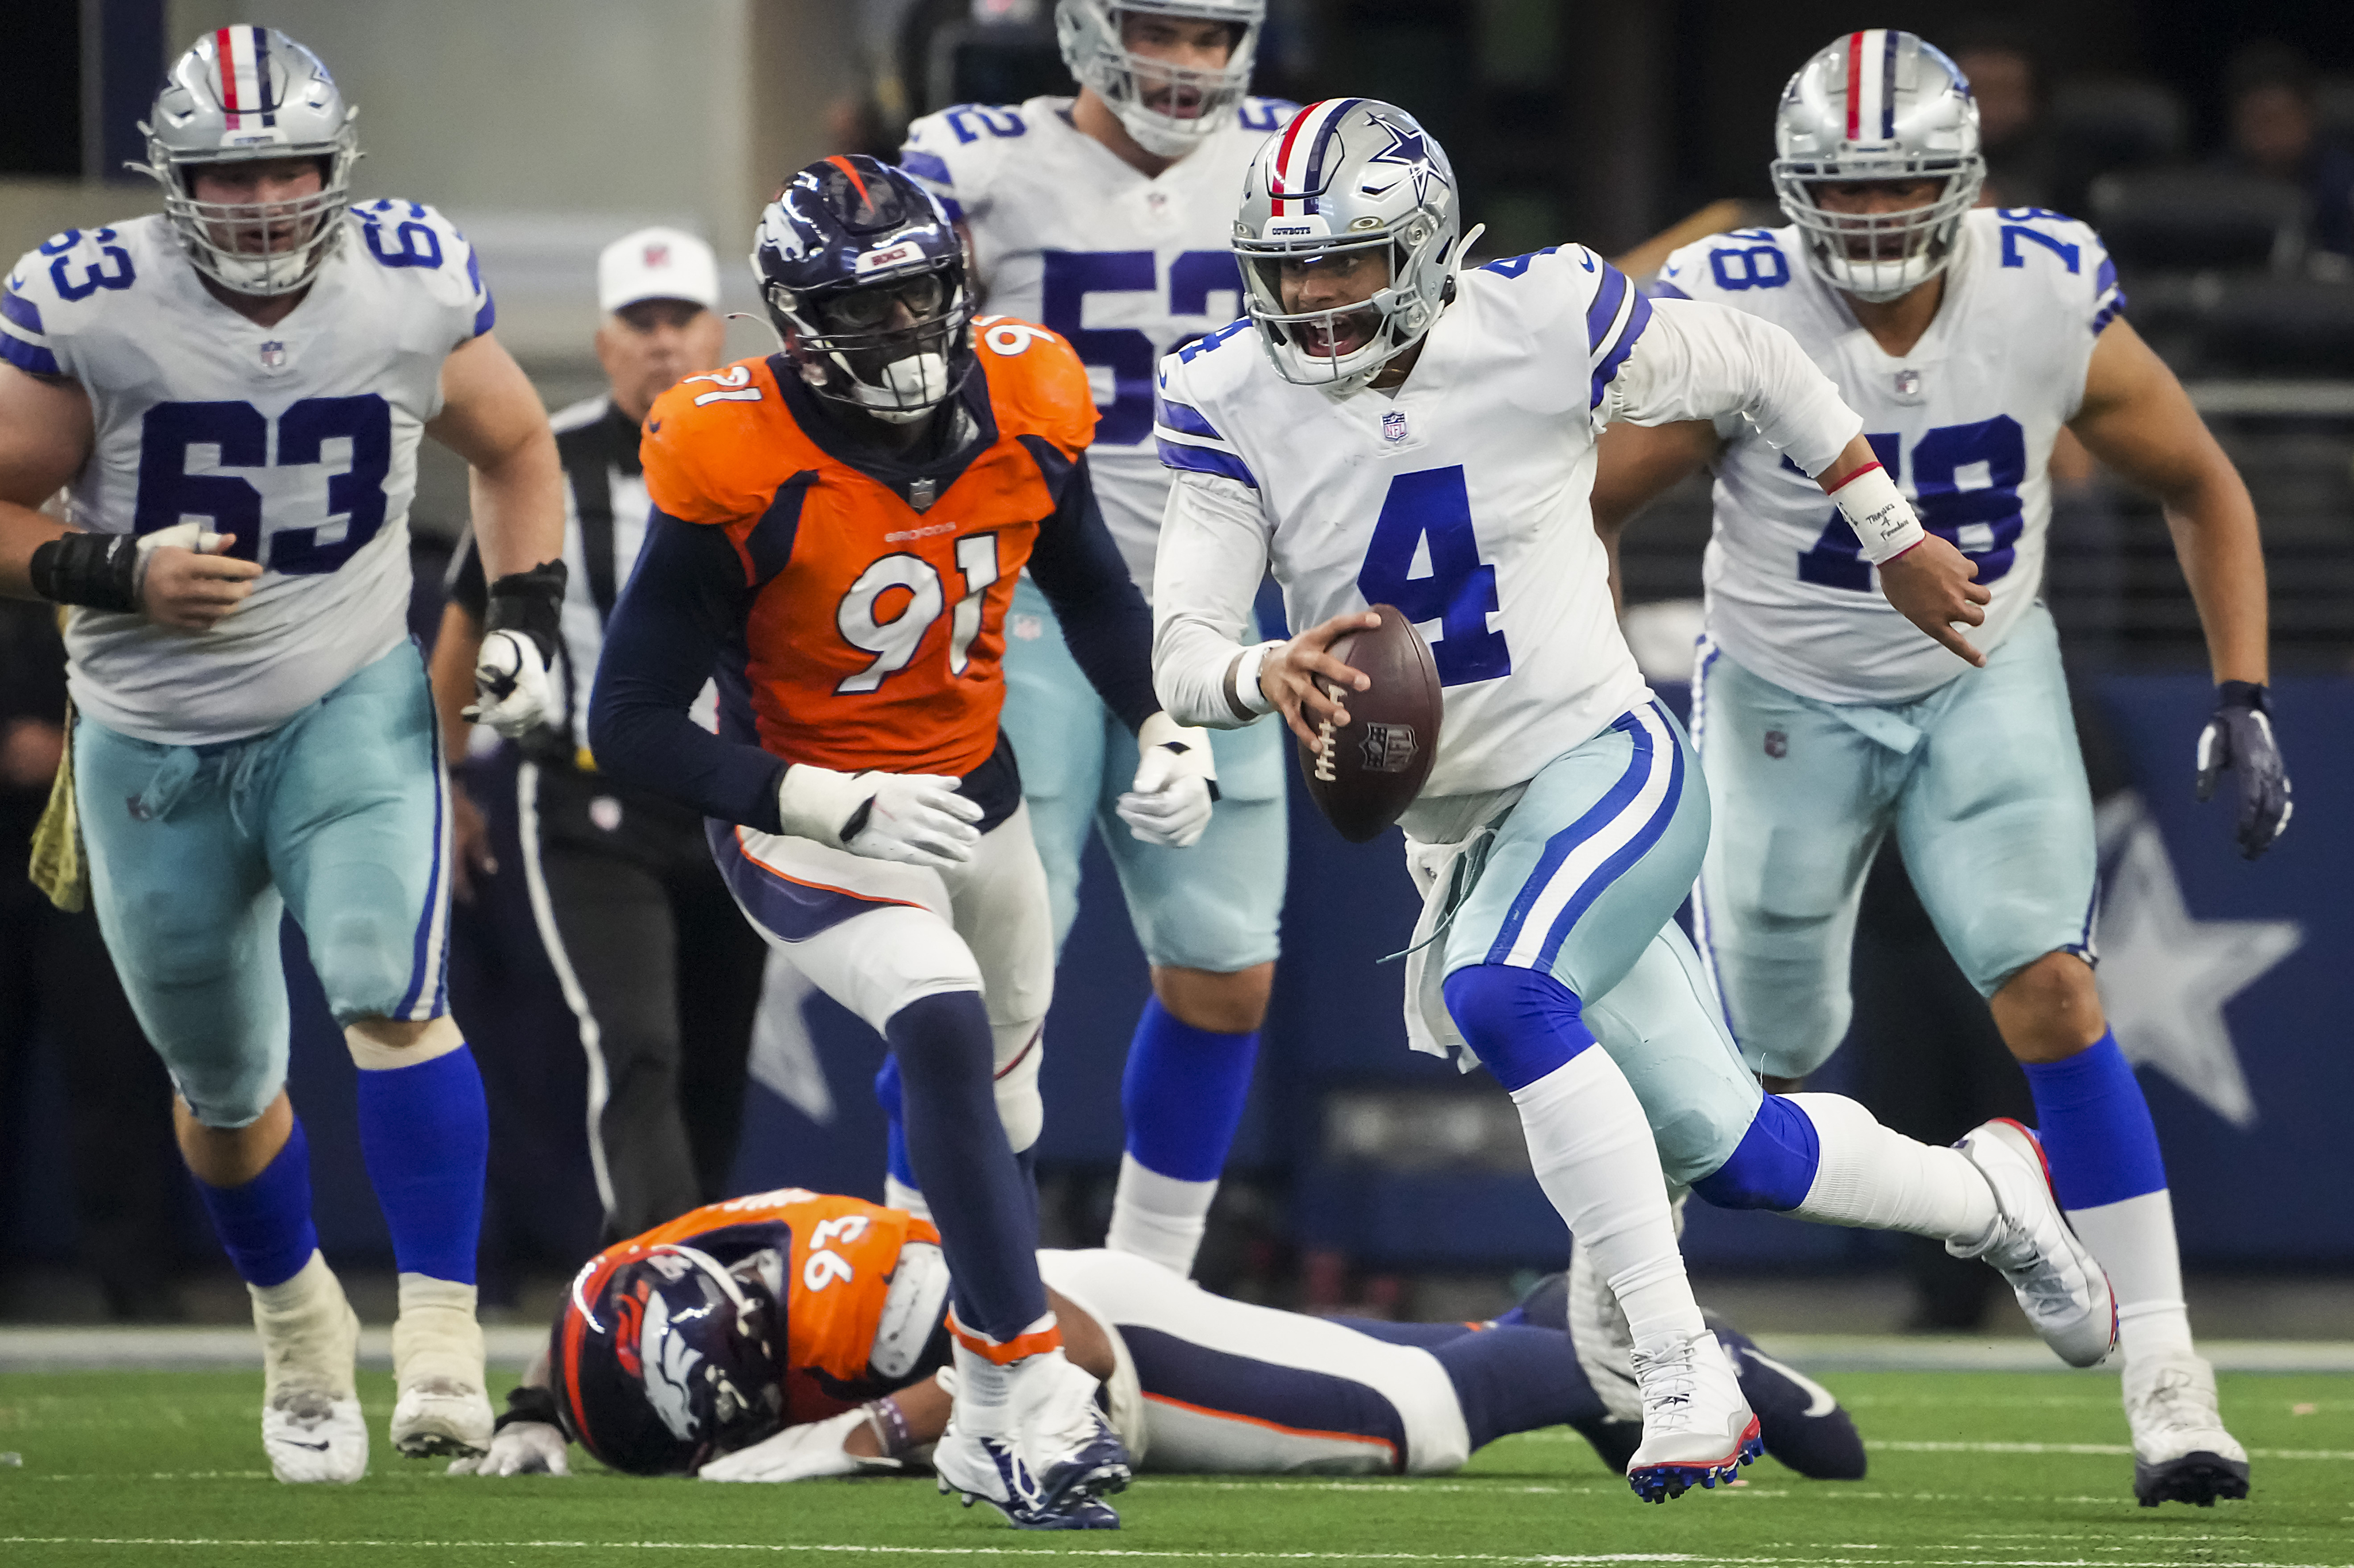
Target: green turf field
x,y
164,1468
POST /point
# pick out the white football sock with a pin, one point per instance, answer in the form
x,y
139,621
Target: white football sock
x,y
1880,1180
1158,1216
1595,1158
897,1195
2134,1240
984,1388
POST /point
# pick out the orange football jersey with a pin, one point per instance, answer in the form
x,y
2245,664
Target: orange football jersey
x,y
843,1252
876,641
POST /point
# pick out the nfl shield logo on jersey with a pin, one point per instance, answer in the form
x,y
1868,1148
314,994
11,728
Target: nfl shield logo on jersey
x,y
273,355
1393,426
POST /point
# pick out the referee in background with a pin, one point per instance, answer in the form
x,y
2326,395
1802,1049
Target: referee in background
x,y
660,971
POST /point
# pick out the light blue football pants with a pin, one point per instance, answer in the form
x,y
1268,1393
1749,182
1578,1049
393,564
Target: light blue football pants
x,y
340,814
1582,880
1214,906
1982,781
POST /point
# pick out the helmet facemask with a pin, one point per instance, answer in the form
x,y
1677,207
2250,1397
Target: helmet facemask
x,y
1879,256
1376,330
252,95
896,346
1168,109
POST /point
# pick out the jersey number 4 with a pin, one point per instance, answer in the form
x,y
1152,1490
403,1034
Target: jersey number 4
x,y
1965,482
238,435
1425,559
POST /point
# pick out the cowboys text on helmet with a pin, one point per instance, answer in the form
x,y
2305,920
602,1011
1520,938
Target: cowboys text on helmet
x,y
1168,107
1348,178
863,278
248,95
1877,105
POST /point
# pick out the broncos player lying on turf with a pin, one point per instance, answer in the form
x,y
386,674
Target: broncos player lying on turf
x,y
792,1336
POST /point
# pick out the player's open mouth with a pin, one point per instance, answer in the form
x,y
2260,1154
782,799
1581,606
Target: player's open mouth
x,y
1176,102
1341,335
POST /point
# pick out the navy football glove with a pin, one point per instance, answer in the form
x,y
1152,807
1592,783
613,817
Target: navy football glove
x,y
2239,737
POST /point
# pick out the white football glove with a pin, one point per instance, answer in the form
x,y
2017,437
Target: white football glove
x,y
809,1453
915,819
1176,780
521,1448
512,694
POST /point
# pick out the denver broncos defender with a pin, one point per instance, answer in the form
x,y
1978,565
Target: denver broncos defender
x,y
1970,338
836,531
1105,216
1389,428
790,1336
233,392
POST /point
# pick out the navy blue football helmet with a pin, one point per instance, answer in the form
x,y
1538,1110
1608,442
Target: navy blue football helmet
x,y
864,276
666,1359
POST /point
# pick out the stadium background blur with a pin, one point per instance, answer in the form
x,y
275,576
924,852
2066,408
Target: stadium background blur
x,y
1364,1176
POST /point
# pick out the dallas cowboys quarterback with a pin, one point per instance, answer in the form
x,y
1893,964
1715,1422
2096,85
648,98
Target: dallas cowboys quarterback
x,y
232,393
1416,434
1106,219
1969,337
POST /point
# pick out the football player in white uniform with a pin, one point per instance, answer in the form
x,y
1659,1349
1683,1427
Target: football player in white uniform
x,y
1106,217
1390,428
232,393
1968,337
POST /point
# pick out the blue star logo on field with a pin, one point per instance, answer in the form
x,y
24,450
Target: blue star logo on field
x,y
2165,976
1409,152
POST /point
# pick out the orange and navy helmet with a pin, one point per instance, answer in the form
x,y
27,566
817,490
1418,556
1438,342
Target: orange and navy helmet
x,y
663,1359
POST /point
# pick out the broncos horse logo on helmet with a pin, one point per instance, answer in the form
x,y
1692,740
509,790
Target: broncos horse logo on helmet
x,y
863,278
666,1361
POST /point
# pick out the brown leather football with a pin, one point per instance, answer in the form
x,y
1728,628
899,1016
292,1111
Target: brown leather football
x,y
1363,775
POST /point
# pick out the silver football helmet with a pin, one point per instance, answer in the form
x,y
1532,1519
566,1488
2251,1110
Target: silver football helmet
x,y
1877,105
1348,176
1144,93
241,95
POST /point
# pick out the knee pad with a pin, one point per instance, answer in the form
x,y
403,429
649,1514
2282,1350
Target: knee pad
x,y
1523,1023
1019,1105
1774,1166
901,956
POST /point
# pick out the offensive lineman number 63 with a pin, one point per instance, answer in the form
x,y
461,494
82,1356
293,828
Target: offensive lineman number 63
x,y
893,640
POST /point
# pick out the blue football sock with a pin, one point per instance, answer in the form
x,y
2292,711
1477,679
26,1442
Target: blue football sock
x,y
1772,1167
2095,1127
1523,1024
1517,1379
1182,1094
986,1211
265,1224
425,1133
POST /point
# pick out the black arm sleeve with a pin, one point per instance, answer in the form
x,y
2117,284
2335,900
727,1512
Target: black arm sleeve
x,y
683,612
464,586
1105,623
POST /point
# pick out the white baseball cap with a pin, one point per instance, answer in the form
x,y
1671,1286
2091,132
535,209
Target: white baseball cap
x,y
657,264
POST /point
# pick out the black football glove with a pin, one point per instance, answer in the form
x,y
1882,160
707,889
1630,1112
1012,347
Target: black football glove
x,y
2239,737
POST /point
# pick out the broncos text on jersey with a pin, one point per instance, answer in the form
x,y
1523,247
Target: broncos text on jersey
x,y
298,438
1126,268
1964,423
875,628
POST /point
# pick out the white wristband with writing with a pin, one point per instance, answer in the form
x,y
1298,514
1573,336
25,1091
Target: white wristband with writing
x,y
1882,519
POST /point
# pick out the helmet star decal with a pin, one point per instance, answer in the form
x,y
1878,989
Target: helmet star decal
x,y
1407,149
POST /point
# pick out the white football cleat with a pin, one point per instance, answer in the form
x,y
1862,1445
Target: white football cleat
x,y
2060,1285
1052,1469
437,1365
2182,1453
1698,1428
311,1423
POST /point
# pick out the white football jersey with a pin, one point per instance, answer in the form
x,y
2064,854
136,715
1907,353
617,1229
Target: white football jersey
x,y
300,438
1463,500
1963,424
1126,267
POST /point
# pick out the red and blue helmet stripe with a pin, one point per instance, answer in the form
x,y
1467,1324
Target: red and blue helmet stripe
x,y
1298,172
1872,85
